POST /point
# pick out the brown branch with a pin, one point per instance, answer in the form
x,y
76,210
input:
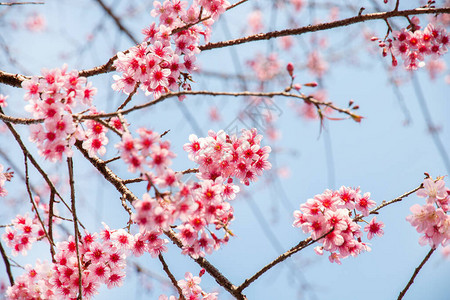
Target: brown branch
x,y
129,97
399,198
150,274
50,219
305,243
33,203
23,121
117,21
189,171
33,161
134,180
172,278
140,179
109,175
19,3
416,272
307,99
213,271
187,26
325,26
16,79
75,224
12,79
300,246
7,264
119,184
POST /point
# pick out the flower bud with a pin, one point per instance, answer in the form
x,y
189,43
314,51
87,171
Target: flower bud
x,y
290,69
311,84
202,272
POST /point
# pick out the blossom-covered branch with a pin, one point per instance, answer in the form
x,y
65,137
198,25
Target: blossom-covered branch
x,y
16,79
326,26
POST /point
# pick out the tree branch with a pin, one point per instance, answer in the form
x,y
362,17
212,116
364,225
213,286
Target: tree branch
x,y
16,79
213,271
117,21
309,241
33,203
172,278
33,161
307,99
416,272
7,264
75,225
19,3
325,26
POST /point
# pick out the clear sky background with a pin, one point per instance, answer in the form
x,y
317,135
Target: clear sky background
x,y
386,154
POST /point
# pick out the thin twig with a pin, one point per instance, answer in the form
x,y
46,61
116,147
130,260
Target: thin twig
x,y
304,98
309,241
129,97
187,26
111,160
19,3
300,246
324,26
134,180
399,198
16,79
212,270
75,224
7,265
141,270
118,183
50,219
33,203
117,21
416,272
172,278
33,161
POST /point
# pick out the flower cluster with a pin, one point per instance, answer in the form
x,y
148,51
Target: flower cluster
x,y
196,205
328,218
102,261
22,234
191,289
95,138
167,55
147,150
53,98
4,176
3,102
432,219
414,45
221,155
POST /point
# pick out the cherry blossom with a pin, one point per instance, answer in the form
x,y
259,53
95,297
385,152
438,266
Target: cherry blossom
x,y
54,98
3,102
328,218
432,219
191,289
163,64
414,45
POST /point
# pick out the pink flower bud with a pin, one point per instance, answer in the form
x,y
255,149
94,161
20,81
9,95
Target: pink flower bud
x,y
297,86
311,84
202,272
290,69
394,61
